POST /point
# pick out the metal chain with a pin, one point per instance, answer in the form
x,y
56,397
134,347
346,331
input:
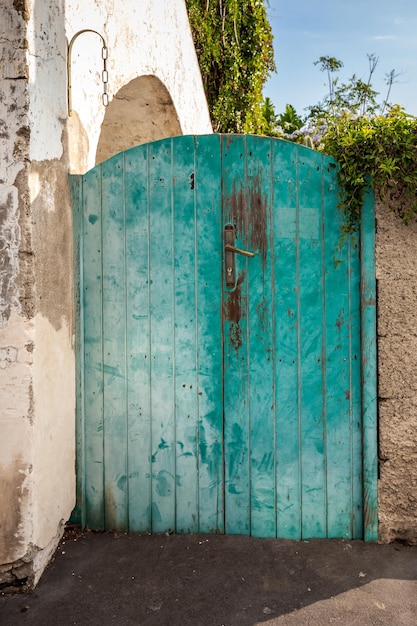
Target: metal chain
x,y
105,76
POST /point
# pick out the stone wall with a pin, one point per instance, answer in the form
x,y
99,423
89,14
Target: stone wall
x,y
396,273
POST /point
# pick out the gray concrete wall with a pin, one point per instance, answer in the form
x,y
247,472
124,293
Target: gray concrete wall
x,y
396,272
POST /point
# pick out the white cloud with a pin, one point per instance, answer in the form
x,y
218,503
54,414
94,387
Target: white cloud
x,y
383,37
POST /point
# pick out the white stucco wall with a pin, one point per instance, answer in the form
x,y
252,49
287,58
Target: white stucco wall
x,y
143,37
40,145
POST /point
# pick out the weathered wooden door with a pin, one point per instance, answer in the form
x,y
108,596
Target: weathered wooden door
x,y
225,343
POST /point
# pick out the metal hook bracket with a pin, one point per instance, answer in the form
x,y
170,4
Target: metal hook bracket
x,y
104,75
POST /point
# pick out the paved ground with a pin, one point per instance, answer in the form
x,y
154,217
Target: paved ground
x,y
206,580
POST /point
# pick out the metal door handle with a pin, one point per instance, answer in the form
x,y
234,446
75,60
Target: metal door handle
x,y
229,256
231,248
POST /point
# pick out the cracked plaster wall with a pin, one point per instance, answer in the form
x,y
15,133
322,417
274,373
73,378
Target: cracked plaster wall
x,y
16,292
39,146
36,318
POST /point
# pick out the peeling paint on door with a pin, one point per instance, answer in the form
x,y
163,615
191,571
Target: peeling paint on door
x,y
208,404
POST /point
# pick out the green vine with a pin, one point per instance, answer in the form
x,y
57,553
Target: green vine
x,y
233,41
374,143
380,151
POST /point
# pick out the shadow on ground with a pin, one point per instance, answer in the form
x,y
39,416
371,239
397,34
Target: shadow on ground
x,y
205,580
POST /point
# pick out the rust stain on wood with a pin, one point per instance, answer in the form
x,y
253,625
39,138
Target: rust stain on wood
x,y
235,310
248,212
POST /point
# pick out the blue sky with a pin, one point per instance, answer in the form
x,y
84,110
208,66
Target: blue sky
x,y
305,30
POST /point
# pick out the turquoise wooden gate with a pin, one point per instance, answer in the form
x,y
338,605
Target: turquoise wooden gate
x,y
226,366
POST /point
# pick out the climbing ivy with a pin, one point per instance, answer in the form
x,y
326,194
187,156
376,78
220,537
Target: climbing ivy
x,y
375,144
379,150
233,41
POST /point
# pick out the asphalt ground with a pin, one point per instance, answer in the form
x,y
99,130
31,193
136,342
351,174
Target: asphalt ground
x,y
213,580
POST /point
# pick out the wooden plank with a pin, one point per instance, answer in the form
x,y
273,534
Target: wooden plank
x,y
76,190
285,241
236,364
261,347
208,255
161,267
369,371
93,351
114,344
312,427
337,327
185,329
138,338
356,389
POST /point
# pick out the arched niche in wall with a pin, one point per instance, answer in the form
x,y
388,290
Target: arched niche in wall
x,y
141,111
